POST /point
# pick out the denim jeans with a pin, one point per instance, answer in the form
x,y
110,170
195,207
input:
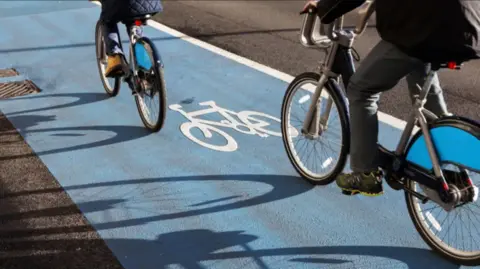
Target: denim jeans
x,y
112,37
380,71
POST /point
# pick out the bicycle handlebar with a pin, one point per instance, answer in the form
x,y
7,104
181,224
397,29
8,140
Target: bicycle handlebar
x,y
313,31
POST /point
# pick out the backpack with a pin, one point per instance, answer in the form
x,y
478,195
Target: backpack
x,y
435,31
430,30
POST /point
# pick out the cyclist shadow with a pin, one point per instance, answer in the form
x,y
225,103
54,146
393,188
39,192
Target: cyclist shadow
x,y
191,248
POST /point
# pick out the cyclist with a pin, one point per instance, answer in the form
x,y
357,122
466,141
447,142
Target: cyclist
x,y
413,32
113,12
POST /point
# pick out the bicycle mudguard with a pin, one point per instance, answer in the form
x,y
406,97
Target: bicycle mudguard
x,y
456,139
142,55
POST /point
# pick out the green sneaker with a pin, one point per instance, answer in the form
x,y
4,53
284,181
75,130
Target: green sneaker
x,y
365,184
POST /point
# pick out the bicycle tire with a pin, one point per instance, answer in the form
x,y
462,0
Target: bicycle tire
x,y
159,86
333,89
99,52
432,241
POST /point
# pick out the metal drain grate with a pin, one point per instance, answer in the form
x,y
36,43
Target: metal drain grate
x,y
8,73
17,88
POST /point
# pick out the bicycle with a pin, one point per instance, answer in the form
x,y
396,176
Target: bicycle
x,y
417,159
143,73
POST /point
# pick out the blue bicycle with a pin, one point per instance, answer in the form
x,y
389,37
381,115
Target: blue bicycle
x,y
144,73
437,160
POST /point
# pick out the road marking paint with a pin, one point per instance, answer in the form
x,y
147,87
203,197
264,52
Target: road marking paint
x,y
249,124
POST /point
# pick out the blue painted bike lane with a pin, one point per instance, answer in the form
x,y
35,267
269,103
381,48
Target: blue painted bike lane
x,y
160,200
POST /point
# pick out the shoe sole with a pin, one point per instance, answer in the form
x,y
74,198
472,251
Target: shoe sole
x,y
115,74
350,192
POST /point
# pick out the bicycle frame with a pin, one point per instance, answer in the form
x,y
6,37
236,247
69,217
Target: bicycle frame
x,y
339,62
135,32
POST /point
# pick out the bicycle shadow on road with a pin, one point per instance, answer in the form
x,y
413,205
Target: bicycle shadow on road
x,y
94,206
82,98
191,248
188,248
23,123
282,187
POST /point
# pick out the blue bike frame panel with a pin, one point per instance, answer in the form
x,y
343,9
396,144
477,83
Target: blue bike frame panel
x,y
453,145
141,54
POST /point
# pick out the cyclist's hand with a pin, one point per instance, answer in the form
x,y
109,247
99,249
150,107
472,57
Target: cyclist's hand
x,y
308,5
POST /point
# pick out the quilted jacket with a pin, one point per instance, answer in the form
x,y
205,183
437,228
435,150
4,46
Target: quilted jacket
x,y
119,10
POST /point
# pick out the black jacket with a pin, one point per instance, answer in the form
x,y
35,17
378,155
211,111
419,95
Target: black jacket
x,y
119,10
431,30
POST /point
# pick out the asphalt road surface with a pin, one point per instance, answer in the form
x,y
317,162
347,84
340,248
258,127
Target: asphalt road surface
x,y
268,32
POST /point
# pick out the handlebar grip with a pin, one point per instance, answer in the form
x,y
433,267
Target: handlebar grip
x,y
310,9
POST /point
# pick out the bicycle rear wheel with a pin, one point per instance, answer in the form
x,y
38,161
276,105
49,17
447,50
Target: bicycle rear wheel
x,y
111,85
334,135
151,85
453,234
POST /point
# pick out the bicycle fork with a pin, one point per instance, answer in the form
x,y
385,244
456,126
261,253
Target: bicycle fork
x,y
315,122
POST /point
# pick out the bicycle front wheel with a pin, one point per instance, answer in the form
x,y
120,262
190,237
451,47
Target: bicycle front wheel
x,y
329,148
151,98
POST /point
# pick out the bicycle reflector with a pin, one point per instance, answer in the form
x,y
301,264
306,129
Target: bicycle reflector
x,y
452,65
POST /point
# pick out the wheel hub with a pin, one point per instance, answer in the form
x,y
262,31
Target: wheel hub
x,y
313,135
455,196
144,82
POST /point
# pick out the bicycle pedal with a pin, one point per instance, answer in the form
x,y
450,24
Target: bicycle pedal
x,y
394,183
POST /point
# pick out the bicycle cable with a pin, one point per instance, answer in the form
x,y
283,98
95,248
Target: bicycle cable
x,y
355,54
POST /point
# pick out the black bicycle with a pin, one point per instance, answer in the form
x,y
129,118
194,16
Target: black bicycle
x,y
434,165
144,72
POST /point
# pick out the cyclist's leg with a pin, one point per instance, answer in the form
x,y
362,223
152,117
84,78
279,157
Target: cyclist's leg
x,y
112,39
435,101
380,71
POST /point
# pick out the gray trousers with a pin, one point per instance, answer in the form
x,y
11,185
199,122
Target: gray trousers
x,y
380,71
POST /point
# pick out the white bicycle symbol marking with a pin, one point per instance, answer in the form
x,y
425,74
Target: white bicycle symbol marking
x,y
249,124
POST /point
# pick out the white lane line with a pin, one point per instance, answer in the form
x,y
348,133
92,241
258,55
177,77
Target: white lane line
x,y
386,118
